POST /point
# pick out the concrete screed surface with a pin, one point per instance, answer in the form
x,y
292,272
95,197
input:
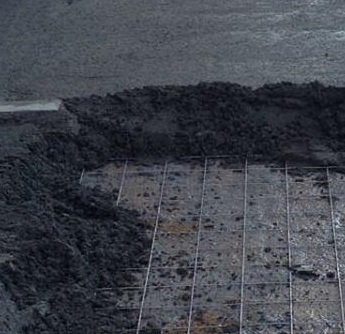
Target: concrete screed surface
x,y
80,47
27,106
235,249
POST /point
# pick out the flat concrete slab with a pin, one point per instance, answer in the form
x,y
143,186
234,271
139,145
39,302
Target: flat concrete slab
x,y
79,47
22,106
251,249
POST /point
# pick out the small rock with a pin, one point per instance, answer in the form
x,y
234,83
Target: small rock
x,y
330,274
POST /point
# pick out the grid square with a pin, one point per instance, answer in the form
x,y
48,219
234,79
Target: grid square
x,y
172,296
266,274
310,220
258,190
222,206
173,242
261,174
263,221
228,257
190,215
218,275
178,225
210,295
218,240
266,207
225,192
267,256
266,293
222,223
145,181
256,239
152,172
166,318
170,276
307,174
181,330
180,207
165,258
276,328
308,189
138,186
226,316
256,314
187,165
140,195
314,260
315,291
317,317
226,162
271,205
136,166
182,192
313,204
191,179
222,176
312,238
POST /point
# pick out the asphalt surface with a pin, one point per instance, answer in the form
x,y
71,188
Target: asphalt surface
x,y
65,48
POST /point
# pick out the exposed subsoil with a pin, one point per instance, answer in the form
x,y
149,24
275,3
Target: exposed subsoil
x,y
61,242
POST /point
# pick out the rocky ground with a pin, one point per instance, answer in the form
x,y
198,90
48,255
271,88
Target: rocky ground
x,y
60,242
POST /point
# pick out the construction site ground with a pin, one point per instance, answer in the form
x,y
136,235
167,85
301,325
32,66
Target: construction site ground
x,y
106,229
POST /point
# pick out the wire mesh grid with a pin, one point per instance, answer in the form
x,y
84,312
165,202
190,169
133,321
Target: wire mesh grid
x,y
251,249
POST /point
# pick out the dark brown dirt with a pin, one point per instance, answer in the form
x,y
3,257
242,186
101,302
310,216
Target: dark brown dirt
x,y
63,242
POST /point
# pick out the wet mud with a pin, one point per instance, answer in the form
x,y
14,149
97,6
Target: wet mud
x,y
61,243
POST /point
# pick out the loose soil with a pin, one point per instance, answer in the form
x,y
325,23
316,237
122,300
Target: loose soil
x,y
60,242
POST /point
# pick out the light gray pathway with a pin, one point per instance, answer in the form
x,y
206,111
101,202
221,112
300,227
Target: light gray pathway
x,y
60,48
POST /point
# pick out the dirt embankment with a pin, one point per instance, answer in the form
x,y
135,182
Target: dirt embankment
x,y
61,242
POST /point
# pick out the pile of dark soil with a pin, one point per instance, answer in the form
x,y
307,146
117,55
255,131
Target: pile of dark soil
x,y
60,243
277,122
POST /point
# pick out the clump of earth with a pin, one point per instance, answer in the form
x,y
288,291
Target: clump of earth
x,y
61,242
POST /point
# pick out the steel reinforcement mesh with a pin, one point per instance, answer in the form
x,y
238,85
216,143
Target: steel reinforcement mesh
x,y
236,248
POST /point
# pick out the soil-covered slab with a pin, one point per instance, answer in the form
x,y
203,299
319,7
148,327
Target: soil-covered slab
x,y
61,243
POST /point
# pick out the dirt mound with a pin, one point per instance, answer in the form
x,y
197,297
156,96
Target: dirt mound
x,y
61,243
276,121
